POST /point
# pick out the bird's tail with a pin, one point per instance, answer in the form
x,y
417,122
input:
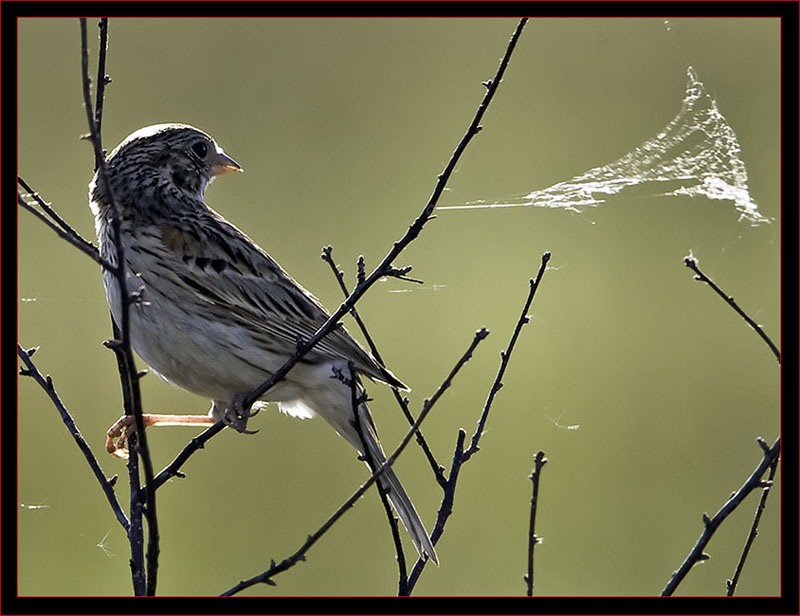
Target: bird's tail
x,y
390,484
333,401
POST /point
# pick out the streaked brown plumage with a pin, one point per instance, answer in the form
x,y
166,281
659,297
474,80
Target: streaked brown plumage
x,y
217,314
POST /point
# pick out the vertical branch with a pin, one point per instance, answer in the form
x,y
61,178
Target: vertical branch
x,y
358,397
538,462
102,81
144,577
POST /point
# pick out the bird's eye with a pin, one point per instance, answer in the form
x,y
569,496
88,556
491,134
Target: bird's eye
x,y
200,148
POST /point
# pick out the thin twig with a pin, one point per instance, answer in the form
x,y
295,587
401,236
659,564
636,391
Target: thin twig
x,y
460,456
751,537
102,79
538,462
198,442
710,525
53,220
129,377
505,356
402,401
241,403
691,263
299,555
46,383
357,397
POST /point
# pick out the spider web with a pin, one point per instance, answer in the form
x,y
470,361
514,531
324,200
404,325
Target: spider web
x,y
697,152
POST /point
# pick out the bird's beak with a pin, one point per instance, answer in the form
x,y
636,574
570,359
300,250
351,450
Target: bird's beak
x,y
224,164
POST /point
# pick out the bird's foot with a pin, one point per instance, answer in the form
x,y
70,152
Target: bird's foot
x,y
236,415
118,434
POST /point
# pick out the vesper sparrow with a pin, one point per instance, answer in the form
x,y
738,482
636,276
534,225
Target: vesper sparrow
x,y
217,314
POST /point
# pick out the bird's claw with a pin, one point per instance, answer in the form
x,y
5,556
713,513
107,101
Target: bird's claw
x,y
117,436
236,416
236,420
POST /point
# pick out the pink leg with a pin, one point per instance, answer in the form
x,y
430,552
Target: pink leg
x,y
118,434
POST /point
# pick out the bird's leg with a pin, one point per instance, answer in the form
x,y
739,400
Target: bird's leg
x,y
118,434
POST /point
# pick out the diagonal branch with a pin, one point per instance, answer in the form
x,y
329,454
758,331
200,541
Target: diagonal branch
x,y
710,525
53,220
460,455
505,356
438,470
46,383
751,537
240,403
102,81
299,555
691,263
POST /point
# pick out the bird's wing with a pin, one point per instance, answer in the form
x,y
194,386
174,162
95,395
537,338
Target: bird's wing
x,y
225,269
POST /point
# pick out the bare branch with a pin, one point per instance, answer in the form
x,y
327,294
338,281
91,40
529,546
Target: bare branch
x,y
53,220
710,525
102,80
198,442
299,555
46,383
438,470
505,356
751,537
357,397
460,456
241,404
538,462
691,263
144,582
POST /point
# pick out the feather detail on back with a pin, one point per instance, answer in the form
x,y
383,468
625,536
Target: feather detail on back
x,y
248,284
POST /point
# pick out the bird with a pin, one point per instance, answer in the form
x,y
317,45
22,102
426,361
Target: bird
x,y
212,312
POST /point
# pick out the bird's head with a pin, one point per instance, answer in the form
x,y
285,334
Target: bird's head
x,y
165,158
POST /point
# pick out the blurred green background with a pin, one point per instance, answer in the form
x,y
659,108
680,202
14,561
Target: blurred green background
x,y
342,126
